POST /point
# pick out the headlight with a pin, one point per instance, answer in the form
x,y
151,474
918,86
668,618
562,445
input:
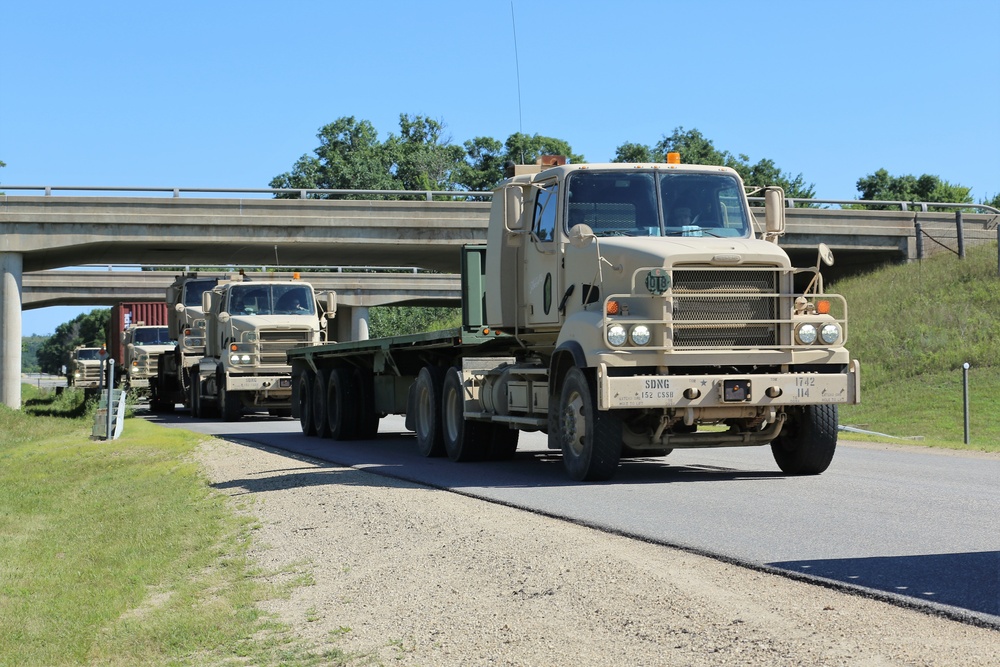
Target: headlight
x,y
806,334
640,334
829,333
245,358
617,335
234,358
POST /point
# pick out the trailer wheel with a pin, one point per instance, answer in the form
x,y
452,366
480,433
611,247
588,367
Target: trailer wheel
x,y
305,387
230,403
363,384
503,442
427,412
591,440
464,439
319,406
808,440
341,405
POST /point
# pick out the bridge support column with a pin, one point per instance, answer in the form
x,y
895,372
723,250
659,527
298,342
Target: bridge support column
x,y
11,264
352,323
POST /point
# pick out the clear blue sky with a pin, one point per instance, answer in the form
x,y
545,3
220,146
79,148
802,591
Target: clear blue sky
x,y
217,94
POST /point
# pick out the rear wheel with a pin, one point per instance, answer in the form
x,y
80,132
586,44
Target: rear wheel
x,y
305,388
363,385
319,409
591,440
341,405
808,440
196,398
464,439
427,411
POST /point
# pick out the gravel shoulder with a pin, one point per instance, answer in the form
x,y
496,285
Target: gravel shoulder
x,y
407,575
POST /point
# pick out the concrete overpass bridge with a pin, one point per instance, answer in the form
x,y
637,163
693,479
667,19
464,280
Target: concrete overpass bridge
x,y
44,232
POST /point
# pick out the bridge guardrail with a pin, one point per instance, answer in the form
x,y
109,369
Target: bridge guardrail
x,y
790,202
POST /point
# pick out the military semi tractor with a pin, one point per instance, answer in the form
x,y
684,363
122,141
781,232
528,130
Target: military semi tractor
x,y
622,309
249,329
186,325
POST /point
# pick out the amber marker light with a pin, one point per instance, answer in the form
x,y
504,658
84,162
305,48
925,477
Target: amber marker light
x,y
232,347
823,307
613,308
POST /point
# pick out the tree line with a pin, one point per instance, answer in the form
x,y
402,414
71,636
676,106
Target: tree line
x,y
350,156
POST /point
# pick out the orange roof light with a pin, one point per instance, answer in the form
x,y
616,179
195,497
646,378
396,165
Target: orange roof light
x,y
673,158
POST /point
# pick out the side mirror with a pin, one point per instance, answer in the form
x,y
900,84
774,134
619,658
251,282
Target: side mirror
x,y
774,211
206,302
331,305
580,236
513,197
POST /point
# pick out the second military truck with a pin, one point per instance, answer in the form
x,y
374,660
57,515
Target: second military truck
x,y
624,310
249,329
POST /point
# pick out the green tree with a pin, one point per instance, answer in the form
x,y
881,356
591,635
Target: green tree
x,y
882,186
87,329
486,157
994,202
423,159
696,148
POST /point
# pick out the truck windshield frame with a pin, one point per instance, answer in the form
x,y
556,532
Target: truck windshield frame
x,y
152,336
258,299
648,202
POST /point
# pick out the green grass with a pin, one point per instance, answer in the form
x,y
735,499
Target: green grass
x,y
913,326
120,553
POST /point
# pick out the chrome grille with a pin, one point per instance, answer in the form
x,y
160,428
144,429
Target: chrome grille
x,y
275,343
725,308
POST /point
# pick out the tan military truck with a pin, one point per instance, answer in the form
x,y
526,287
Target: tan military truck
x,y
249,328
142,345
85,368
186,323
623,309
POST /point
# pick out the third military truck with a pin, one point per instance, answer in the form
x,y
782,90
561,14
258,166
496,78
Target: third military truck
x,y
622,309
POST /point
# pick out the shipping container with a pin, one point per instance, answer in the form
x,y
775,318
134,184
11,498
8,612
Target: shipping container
x,y
126,314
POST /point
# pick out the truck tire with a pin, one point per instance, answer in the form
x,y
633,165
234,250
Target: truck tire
x,y
503,442
341,405
230,404
808,440
427,411
363,384
305,387
196,398
591,440
464,439
319,410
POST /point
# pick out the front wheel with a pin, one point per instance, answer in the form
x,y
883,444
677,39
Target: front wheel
x,y
229,403
591,440
808,440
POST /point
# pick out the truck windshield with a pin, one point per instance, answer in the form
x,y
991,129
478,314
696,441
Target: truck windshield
x,y
654,203
271,300
193,289
88,354
152,336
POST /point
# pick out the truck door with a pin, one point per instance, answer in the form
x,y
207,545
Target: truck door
x,y
541,258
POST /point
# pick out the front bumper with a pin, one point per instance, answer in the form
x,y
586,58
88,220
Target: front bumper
x,y
724,391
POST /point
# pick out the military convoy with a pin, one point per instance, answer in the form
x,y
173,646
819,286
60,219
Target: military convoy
x,y
623,310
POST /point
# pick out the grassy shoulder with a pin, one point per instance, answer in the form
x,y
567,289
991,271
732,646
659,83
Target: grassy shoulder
x,y
913,327
119,553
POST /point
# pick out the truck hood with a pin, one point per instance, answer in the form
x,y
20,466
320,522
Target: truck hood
x,y
635,252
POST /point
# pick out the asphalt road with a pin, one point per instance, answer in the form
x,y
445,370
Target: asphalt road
x,y
914,526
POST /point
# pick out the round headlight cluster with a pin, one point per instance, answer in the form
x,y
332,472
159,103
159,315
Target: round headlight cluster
x,y
807,334
239,358
639,334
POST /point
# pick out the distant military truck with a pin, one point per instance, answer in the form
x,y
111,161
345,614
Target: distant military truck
x,y
85,368
142,346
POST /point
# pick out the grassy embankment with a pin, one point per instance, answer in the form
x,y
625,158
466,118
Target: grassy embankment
x,y
119,553
913,327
